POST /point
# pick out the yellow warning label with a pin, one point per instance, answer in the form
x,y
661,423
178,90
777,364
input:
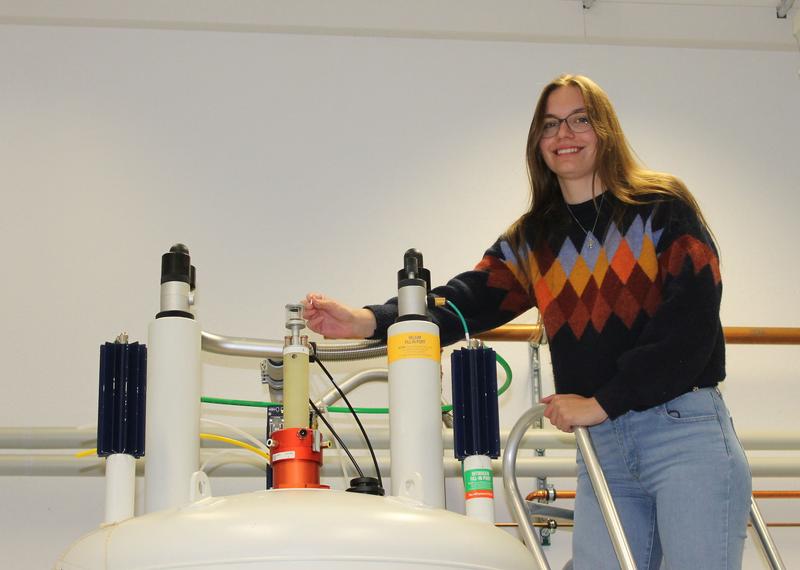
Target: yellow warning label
x,y
413,345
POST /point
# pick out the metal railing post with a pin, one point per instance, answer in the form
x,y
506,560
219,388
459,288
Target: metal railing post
x,y
513,496
765,537
615,530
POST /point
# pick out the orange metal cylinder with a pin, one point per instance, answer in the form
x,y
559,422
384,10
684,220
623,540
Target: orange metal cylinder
x,y
295,462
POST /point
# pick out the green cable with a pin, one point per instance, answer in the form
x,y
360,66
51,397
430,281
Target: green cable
x,y
250,403
460,316
342,410
502,362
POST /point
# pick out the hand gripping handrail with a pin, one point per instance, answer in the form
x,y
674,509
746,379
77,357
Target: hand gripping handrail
x,y
599,484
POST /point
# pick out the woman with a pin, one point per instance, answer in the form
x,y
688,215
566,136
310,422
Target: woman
x,y
622,267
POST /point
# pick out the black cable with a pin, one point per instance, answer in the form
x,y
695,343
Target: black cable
x,y
355,415
338,439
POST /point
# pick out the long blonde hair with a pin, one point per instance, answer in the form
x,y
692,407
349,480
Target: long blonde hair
x,y
616,167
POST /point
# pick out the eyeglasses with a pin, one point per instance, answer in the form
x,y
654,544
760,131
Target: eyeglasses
x,y
577,122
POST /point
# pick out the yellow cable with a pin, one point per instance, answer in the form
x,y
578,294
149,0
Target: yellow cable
x,y
232,441
254,449
86,453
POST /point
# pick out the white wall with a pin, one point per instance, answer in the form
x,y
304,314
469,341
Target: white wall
x,y
296,163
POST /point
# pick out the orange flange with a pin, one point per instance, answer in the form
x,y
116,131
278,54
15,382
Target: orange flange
x,y
296,459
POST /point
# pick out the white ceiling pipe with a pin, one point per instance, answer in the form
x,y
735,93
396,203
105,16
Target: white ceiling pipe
x,y
84,438
66,465
47,437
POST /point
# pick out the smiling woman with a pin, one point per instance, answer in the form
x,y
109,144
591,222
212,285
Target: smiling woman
x,y
623,269
568,145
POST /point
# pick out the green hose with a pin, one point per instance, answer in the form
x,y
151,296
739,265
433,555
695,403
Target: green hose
x,y
343,410
502,362
249,403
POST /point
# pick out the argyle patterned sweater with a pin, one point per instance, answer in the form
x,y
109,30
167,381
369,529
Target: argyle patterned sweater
x,y
631,310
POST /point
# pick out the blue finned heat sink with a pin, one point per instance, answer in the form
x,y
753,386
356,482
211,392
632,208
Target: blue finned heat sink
x,y
121,402
476,424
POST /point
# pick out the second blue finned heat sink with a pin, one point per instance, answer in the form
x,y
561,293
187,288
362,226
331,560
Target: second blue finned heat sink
x,y
121,405
476,424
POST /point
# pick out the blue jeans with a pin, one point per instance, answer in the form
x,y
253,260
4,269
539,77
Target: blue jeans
x,y
681,485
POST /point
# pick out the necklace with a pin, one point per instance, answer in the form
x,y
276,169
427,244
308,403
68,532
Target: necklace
x,y
589,238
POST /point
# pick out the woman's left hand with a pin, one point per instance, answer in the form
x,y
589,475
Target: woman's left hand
x,y
565,411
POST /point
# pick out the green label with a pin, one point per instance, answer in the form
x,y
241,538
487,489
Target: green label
x,y
478,480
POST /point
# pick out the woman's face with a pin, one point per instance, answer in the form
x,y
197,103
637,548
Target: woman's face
x,y
571,156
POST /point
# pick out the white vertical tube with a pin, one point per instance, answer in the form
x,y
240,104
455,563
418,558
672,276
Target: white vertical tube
x,y
415,415
172,442
120,487
479,488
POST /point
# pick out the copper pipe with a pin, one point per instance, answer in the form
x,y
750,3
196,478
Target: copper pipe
x,y
776,494
514,332
543,493
569,524
762,335
733,335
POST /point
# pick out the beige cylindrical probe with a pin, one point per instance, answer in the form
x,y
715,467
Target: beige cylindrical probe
x,y
295,386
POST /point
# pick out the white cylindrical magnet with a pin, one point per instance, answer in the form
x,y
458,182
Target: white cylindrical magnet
x,y
172,440
415,415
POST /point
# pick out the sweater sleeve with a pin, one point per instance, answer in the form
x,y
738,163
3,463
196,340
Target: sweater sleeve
x,y
488,296
682,346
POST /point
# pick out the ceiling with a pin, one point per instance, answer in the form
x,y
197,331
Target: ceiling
x,y
738,24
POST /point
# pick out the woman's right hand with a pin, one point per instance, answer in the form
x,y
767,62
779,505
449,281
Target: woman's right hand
x,y
333,319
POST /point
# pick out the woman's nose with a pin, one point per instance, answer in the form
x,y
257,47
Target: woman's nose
x,y
564,130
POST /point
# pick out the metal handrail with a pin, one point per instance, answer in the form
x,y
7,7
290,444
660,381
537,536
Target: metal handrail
x,y
596,476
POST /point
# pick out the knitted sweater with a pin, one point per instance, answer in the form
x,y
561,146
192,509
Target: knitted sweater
x,y
631,311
